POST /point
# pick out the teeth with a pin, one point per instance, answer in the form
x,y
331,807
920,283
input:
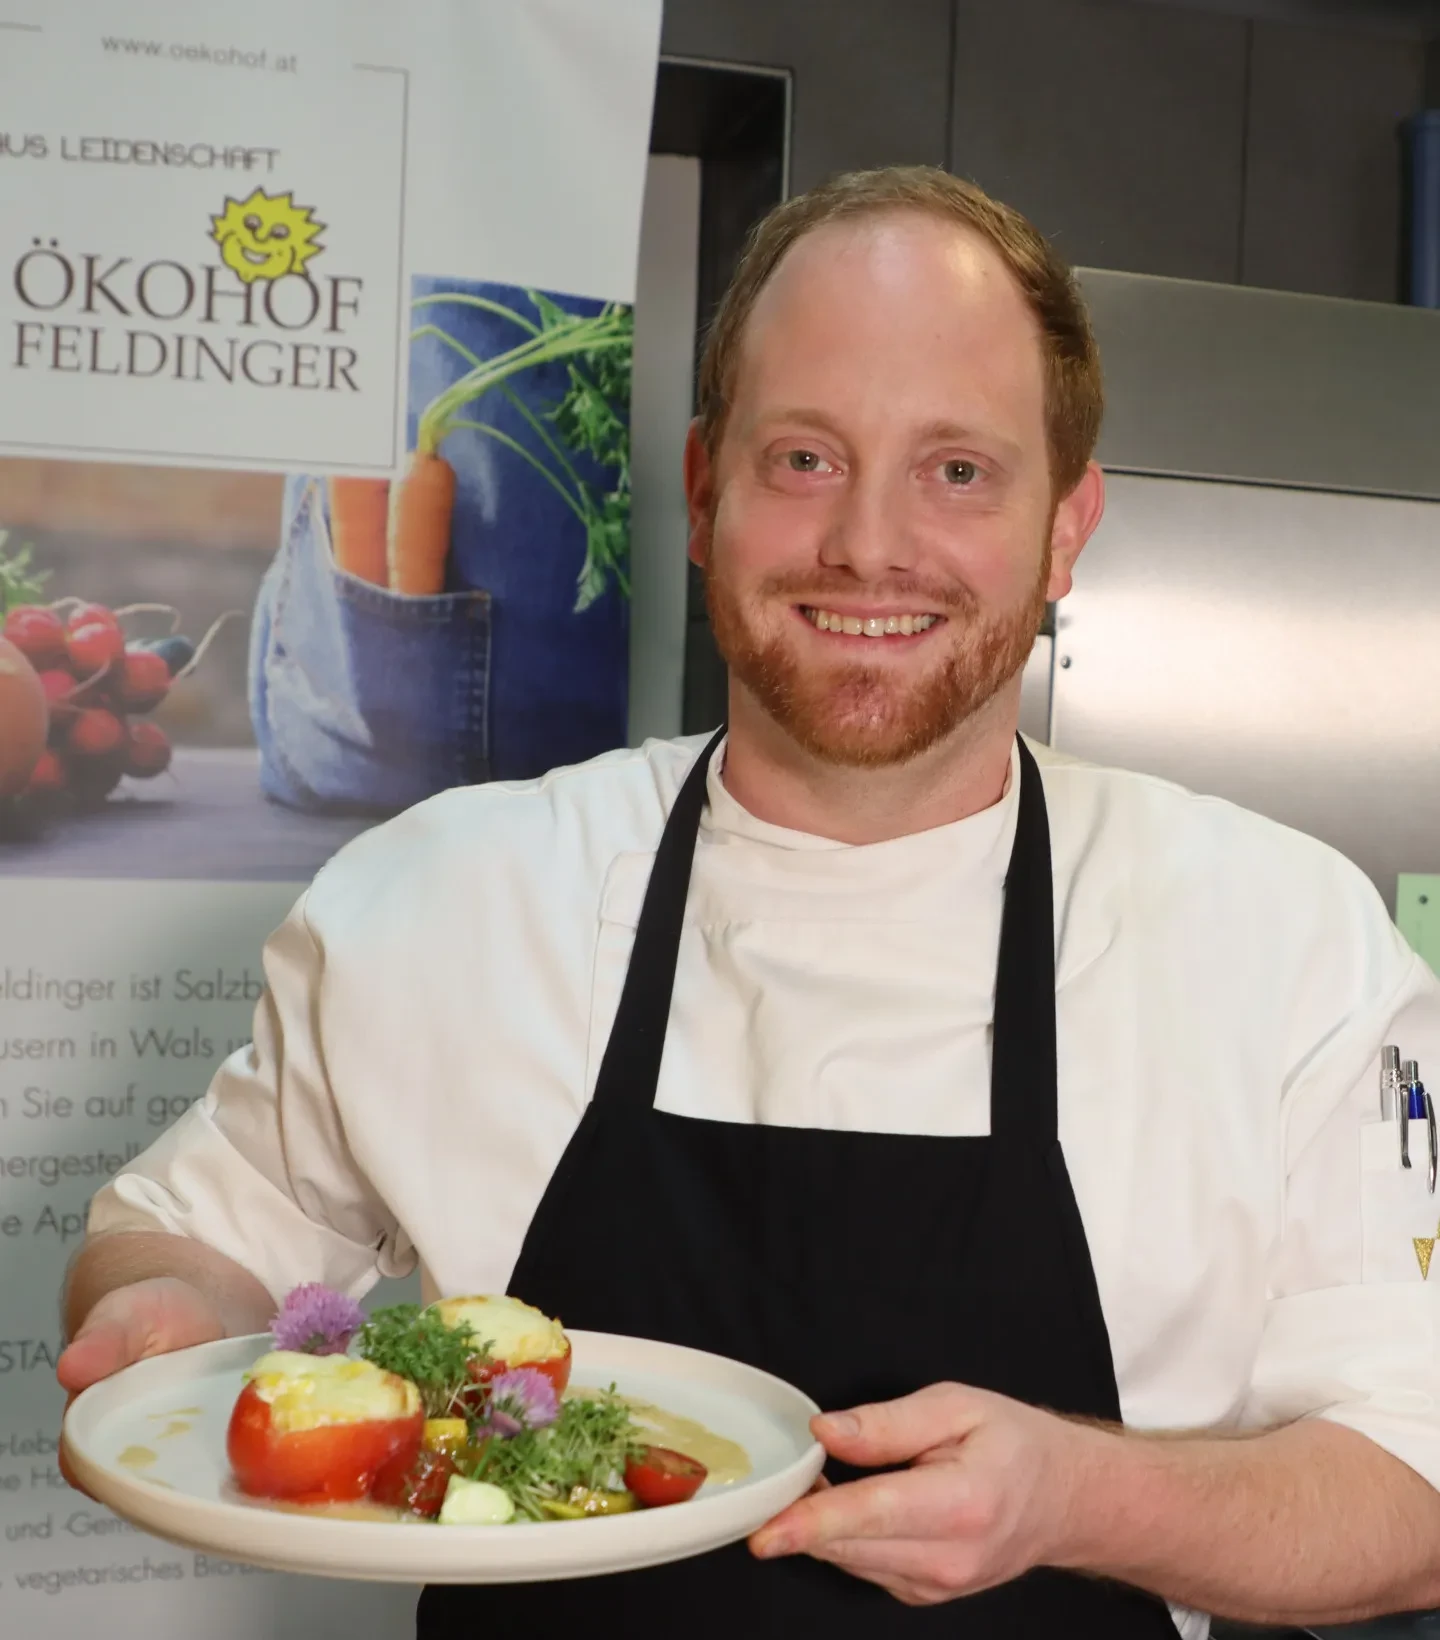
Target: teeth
x,y
872,626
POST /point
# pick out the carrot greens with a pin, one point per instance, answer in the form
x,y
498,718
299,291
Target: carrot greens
x,y
590,419
20,581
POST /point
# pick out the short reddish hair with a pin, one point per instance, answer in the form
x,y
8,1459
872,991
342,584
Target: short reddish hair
x,y
1074,396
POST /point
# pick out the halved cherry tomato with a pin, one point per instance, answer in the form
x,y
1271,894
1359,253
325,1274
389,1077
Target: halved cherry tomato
x,y
662,1476
331,1463
417,1486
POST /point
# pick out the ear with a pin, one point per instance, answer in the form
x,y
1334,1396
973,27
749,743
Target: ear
x,y
699,493
1076,518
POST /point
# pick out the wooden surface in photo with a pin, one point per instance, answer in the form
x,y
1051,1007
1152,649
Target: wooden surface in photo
x,y
194,506
205,818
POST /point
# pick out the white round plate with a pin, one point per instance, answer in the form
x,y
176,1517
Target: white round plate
x,y
178,1407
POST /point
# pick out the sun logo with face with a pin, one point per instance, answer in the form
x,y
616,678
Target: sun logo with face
x,y
266,236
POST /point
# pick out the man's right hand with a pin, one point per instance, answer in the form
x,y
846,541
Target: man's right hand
x,y
130,1323
145,1318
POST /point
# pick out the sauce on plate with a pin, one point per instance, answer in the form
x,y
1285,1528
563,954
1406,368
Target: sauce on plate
x,y
726,1460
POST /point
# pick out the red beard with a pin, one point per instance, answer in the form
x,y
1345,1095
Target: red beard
x,y
860,715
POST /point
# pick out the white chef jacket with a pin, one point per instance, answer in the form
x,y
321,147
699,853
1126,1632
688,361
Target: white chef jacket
x,y
440,997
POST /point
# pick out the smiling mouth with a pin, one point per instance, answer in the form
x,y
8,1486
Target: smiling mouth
x,y
869,626
255,258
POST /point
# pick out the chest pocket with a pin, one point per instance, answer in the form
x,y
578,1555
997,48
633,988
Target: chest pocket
x,y
1400,1218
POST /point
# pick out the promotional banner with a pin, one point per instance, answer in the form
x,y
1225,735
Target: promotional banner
x,y
315,355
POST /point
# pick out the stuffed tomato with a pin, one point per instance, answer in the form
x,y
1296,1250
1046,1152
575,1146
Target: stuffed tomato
x,y
318,1429
511,1334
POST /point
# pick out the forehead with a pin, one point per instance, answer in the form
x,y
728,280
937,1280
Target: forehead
x,y
903,306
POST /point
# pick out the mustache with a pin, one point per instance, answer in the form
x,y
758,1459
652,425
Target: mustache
x,y
815,588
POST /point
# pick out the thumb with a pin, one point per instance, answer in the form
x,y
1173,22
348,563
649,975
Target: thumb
x,y
887,1432
130,1323
100,1348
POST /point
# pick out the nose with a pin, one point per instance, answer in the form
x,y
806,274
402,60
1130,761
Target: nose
x,y
867,531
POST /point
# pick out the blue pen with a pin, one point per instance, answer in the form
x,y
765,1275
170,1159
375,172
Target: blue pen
x,y
1418,1108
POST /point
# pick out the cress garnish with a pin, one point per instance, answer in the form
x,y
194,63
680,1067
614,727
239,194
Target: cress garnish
x,y
436,1357
585,1449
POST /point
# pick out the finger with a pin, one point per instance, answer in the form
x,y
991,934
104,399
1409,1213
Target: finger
x,y
98,1349
913,1503
128,1325
894,1431
927,1571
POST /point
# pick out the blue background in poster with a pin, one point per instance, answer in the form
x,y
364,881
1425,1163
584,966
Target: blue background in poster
x,y
558,680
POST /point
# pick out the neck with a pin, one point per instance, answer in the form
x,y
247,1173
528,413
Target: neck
x,y
779,782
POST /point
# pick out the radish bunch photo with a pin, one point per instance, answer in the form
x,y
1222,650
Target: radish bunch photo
x,y
75,691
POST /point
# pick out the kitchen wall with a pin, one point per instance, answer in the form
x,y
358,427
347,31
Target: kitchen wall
x,y
1151,137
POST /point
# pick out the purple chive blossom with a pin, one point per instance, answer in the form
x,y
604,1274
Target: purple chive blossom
x,y
522,1399
316,1320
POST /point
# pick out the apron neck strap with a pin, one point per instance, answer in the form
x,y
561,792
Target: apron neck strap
x,y
630,1070
1023,1068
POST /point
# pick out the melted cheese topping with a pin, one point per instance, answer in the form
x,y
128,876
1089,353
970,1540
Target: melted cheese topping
x,y
308,1391
515,1332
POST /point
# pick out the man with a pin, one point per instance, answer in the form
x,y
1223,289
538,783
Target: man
x,y
1010,1106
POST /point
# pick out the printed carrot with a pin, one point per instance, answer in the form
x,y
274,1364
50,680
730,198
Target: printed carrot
x,y
420,525
359,514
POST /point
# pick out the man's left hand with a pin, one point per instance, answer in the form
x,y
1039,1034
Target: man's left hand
x,y
988,1494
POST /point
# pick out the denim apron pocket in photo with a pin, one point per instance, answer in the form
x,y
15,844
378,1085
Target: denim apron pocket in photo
x,y
559,677
363,700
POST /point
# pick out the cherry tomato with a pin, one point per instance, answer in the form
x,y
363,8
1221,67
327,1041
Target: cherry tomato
x,y
331,1463
37,633
417,1486
143,681
664,1476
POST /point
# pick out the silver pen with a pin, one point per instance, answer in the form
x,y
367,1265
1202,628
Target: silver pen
x,y
1420,1105
1389,1083
1409,1072
1434,1145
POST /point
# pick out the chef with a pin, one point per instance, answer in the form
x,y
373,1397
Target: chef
x,y
1010,1106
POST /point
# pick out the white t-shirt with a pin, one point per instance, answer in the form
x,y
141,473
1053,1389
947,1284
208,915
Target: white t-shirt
x,y
441,996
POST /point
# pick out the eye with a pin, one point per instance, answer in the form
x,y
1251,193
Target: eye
x,y
960,474
279,231
803,461
253,223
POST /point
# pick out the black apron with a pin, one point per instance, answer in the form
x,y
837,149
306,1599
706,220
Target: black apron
x,y
769,1244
